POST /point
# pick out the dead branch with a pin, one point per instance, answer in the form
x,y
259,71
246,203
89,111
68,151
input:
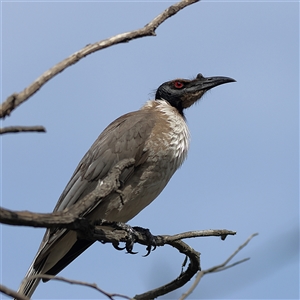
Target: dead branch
x,y
15,129
14,100
201,233
101,234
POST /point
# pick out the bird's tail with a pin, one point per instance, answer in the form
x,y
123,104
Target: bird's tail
x,y
28,285
39,265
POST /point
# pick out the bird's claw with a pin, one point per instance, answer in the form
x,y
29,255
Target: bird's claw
x,y
116,246
130,243
128,246
133,237
151,239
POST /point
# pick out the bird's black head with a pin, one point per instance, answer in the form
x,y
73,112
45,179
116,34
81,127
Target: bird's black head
x,y
182,93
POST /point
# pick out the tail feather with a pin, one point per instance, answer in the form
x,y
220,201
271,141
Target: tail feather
x,y
28,285
79,247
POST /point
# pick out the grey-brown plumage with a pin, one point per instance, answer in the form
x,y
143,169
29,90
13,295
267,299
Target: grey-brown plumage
x,y
157,137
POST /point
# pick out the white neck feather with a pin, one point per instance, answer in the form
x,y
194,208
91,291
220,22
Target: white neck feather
x,y
177,132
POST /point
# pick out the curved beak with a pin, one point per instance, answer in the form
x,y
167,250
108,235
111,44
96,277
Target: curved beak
x,y
201,83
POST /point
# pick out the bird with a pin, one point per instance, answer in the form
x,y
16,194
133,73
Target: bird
x,y
157,137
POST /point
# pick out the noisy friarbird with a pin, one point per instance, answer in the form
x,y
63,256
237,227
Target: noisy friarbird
x,y
156,137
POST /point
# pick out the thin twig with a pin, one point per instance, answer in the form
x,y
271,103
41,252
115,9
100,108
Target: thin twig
x,y
232,265
15,129
232,255
201,233
16,99
218,268
77,282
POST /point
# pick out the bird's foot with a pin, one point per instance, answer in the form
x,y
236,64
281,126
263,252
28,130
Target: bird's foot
x,y
151,239
133,236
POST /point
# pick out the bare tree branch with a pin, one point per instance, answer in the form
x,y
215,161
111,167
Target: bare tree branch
x,y
101,234
16,99
218,268
77,282
199,233
14,129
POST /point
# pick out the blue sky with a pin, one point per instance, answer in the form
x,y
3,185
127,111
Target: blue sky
x,y
242,171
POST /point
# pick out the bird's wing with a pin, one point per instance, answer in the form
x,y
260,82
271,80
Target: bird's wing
x,y
123,138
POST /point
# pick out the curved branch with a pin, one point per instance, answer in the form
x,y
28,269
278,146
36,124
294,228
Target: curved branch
x,y
182,279
103,235
16,99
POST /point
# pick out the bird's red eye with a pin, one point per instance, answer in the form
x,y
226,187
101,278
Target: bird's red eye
x,y
178,84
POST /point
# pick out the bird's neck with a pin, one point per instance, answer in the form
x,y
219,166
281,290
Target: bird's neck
x,y
170,129
164,106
